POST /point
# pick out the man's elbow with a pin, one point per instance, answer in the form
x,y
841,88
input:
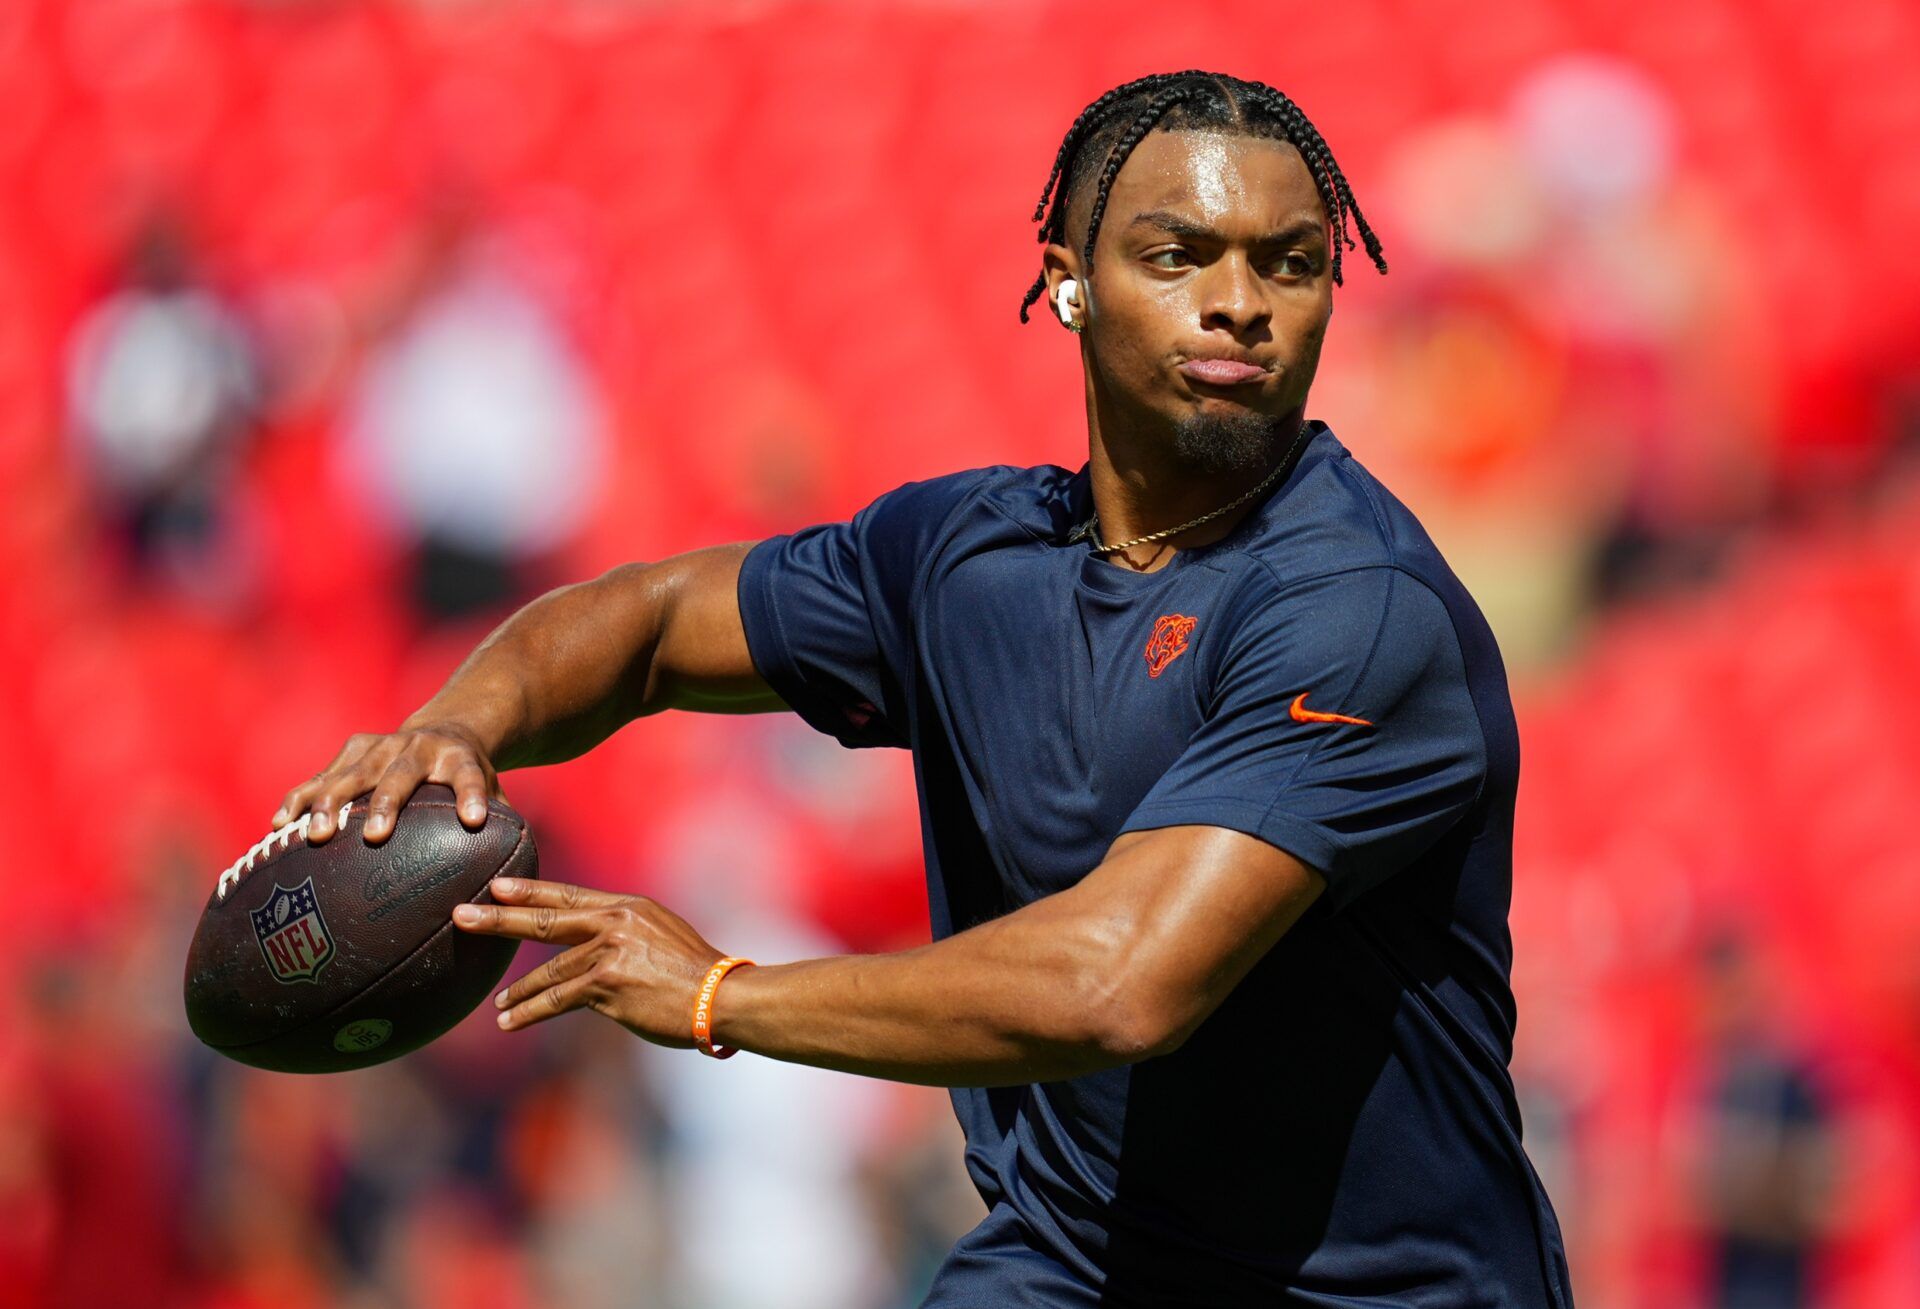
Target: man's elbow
x,y
1134,1024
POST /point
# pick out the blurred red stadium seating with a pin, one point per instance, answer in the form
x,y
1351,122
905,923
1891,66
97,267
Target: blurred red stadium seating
x,y
814,191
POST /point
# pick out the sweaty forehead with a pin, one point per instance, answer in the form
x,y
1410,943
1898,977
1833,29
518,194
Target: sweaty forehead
x,y
1231,183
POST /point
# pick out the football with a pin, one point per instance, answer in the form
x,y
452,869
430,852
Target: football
x,y
326,958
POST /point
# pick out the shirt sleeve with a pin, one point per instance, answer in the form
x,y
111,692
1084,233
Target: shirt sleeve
x,y
827,610
1356,800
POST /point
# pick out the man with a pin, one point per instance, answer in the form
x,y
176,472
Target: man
x,y
164,390
1216,767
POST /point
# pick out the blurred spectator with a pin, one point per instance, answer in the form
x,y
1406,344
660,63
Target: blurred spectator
x,y
476,426
162,385
1667,352
1572,383
765,1161
111,1160
582,1145
1767,1185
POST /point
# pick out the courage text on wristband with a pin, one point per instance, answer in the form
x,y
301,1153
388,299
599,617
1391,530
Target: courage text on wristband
x,y
703,1008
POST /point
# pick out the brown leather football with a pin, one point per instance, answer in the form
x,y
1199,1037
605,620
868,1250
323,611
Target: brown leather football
x,y
320,959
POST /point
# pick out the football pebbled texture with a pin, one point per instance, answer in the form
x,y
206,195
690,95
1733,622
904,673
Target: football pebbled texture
x,y
327,958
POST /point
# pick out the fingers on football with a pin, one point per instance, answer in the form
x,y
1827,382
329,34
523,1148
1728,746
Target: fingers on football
x,y
560,968
293,803
425,758
300,798
401,778
533,923
344,783
555,895
574,993
471,784
352,771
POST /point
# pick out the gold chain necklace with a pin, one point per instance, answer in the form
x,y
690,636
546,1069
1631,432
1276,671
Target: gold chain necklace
x,y
1091,526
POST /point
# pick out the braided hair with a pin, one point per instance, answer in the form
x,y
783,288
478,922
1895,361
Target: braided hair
x,y
1107,130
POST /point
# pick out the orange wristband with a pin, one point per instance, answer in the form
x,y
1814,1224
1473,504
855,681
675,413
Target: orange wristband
x,y
703,1008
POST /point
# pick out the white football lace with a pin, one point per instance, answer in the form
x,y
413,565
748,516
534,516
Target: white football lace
x,y
281,836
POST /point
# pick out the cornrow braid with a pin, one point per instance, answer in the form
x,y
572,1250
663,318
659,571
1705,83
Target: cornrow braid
x,y
1106,132
1093,114
1136,130
1091,119
1320,157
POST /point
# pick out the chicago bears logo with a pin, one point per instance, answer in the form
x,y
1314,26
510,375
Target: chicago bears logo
x,y
1169,639
293,936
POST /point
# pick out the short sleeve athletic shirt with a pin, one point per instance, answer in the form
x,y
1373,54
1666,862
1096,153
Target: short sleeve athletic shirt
x,y
1342,1130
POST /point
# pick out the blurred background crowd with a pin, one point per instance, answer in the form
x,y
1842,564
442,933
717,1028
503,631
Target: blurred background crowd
x,y
330,331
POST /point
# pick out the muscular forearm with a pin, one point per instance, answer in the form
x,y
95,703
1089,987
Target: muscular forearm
x,y
553,681
1032,996
569,669
1123,965
560,675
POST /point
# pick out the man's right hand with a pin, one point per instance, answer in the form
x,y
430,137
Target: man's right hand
x,y
391,767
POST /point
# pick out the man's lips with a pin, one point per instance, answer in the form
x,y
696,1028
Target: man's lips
x,y
1222,372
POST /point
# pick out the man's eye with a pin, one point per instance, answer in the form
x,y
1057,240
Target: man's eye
x,y
1298,265
1167,254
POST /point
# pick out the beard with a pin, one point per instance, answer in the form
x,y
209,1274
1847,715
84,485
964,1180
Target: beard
x,y
1230,443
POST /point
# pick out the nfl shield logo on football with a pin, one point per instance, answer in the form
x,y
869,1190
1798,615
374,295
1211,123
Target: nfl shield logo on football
x,y
293,935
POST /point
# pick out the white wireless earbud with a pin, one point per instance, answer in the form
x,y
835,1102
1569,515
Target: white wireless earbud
x,y
1067,288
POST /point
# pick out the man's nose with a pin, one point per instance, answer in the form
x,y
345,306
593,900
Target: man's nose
x,y
1233,296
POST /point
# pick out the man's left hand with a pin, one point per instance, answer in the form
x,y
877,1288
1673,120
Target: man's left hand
x,y
633,959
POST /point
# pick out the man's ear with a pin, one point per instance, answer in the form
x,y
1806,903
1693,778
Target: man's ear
x,y
1060,263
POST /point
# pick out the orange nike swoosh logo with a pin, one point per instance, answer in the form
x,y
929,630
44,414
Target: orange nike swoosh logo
x,y
1302,714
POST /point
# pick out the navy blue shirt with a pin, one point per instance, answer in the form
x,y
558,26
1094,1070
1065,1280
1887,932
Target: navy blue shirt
x,y
1342,1130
